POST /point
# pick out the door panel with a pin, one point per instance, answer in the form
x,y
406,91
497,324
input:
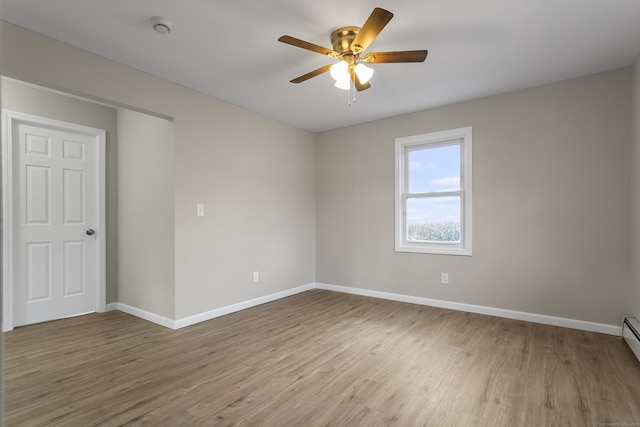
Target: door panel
x,y
38,271
73,194
74,260
37,195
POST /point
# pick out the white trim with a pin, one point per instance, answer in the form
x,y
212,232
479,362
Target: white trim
x,y
207,315
212,314
151,317
7,227
101,221
470,308
462,136
8,118
498,312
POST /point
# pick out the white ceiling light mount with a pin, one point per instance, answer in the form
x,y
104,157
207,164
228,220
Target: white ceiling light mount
x,y
161,25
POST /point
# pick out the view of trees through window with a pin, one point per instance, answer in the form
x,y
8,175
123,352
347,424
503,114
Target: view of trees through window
x,y
434,231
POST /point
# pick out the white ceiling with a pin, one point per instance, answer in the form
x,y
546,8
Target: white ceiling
x,y
229,48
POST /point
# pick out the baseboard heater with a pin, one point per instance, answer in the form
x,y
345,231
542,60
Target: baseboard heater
x,y
631,334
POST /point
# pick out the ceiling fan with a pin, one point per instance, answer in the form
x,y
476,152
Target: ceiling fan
x,y
349,44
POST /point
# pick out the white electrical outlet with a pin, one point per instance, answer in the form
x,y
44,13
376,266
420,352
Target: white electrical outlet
x,y
200,209
256,276
444,278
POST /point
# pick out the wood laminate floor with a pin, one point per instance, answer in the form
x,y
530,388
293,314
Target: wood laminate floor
x,y
315,359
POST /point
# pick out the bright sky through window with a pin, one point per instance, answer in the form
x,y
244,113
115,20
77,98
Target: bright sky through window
x,y
434,169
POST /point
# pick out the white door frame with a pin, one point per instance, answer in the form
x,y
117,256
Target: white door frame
x,y
99,135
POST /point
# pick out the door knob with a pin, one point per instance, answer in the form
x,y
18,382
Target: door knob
x,y
91,232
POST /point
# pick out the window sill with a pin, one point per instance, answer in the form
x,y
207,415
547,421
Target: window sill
x,y
431,249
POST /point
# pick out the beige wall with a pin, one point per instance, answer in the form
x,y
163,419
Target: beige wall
x,y
635,183
551,213
551,192
256,176
145,212
29,99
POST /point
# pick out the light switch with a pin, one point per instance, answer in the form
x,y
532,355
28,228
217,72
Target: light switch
x,y
200,209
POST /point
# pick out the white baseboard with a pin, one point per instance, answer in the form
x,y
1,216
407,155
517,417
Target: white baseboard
x,y
212,314
207,315
151,317
498,312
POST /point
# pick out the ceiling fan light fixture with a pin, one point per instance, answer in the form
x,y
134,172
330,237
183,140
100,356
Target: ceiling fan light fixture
x,y
364,73
344,83
339,70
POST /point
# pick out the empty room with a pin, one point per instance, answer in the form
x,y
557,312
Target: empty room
x,y
280,213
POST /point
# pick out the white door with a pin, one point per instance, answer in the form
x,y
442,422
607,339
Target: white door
x,y
55,221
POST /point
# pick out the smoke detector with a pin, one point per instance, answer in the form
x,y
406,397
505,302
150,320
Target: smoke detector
x,y
161,25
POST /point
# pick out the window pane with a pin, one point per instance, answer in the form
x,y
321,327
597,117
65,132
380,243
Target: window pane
x,y
434,169
433,219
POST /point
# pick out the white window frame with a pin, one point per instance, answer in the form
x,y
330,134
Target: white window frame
x,y
402,147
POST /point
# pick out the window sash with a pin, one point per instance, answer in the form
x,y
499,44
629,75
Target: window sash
x,y
431,224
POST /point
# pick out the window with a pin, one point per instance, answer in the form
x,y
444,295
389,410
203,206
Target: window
x,y
433,193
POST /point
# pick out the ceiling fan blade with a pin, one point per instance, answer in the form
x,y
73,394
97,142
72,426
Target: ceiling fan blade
x,y
309,46
401,56
359,86
313,73
370,30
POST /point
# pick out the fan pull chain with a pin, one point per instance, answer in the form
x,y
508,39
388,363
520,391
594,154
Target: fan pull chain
x,y
352,87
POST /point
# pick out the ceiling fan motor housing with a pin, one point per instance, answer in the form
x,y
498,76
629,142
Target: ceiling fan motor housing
x,y
342,38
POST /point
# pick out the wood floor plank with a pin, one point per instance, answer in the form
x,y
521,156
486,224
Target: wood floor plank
x,y
315,359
